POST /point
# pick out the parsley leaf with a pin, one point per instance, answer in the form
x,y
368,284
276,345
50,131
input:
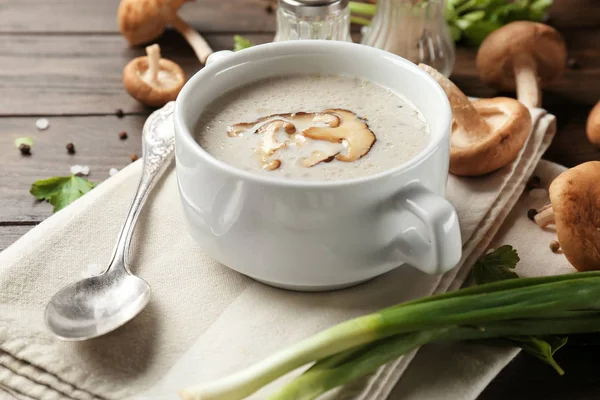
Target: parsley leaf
x,y
473,20
240,43
496,266
23,140
61,191
541,347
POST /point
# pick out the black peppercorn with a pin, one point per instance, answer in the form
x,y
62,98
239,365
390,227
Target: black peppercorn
x,y
70,148
572,63
531,213
25,149
123,135
120,113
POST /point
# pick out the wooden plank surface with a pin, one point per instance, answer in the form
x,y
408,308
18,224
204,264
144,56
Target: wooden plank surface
x,y
100,16
81,75
10,233
97,145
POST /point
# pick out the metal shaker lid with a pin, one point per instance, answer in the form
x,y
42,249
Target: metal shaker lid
x,y
313,8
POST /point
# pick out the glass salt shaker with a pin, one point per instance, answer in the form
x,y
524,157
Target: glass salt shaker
x,y
313,19
415,30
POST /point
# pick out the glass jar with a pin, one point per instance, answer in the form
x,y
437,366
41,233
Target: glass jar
x,y
313,19
415,30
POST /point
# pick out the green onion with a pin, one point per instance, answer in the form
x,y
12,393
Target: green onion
x,y
472,20
526,306
362,8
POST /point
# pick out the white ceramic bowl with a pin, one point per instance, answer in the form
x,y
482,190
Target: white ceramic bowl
x,y
318,235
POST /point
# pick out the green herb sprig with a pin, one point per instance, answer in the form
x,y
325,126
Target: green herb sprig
x,y
61,191
472,20
240,43
523,311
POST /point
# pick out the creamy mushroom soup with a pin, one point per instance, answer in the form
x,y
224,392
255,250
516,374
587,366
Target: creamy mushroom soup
x,y
312,127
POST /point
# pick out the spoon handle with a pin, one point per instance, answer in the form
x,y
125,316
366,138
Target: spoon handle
x,y
158,142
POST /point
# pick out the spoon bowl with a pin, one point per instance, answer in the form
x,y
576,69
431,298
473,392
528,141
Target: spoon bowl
x,y
97,305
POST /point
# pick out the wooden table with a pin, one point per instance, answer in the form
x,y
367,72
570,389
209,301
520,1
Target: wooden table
x,y
63,59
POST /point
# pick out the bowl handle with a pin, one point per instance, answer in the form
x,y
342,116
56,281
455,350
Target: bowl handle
x,y
444,249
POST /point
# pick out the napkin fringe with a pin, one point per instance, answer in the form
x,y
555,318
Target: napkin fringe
x,y
32,380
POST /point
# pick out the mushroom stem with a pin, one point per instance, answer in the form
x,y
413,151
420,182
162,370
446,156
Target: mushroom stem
x,y
463,111
528,87
153,53
545,216
194,39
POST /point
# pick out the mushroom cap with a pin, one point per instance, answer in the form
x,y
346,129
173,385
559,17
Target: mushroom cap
x,y
500,48
575,198
473,154
592,128
142,21
147,93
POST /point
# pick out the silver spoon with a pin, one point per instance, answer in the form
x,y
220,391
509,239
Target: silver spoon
x,y
94,306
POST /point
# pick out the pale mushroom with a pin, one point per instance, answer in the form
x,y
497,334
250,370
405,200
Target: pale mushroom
x,y
142,21
332,125
152,80
592,128
575,211
487,134
350,128
523,55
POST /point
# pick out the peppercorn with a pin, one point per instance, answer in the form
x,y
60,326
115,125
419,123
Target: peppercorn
x,y
531,213
134,157
25,149
554,246
534,182
572,63
123,135
269,9
120,113
70,148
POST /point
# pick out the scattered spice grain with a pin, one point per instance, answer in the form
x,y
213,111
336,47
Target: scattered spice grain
x,y
25,149
70,148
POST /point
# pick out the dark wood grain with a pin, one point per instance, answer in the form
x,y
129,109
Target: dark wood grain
x,y
527,378
81,75
97,145
9,234
100,16
93,16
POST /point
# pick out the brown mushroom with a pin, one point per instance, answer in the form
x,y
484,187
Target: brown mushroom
x,y
592,128
142,21
487,134
152,80
522,54
575,211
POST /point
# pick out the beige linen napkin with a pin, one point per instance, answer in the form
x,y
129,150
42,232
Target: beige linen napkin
x,y
205,321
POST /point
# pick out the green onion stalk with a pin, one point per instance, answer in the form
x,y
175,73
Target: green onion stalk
x,y
363,10
526,306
